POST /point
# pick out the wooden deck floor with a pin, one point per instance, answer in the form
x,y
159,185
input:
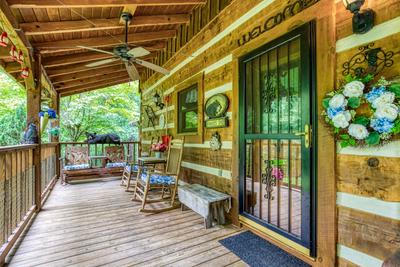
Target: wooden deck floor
x,y
96,224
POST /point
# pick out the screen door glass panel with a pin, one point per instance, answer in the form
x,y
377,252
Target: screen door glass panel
x,y
276,178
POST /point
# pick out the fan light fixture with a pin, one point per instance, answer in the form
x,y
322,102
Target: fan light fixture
x,y
4,39
363,20
158,101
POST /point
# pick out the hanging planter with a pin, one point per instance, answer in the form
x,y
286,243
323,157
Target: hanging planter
x,y
4,39
363,113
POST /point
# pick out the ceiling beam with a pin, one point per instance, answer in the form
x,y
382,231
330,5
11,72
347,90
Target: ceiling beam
x,y
53,72
78,90
135,38
52,62
90,80
96,3
40,28
86,74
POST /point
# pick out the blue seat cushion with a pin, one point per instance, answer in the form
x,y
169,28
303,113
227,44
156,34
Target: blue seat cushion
x,y
158,179
76,167
134,169
116,165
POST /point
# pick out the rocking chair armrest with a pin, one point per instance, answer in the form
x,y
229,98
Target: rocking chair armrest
x,y
160,172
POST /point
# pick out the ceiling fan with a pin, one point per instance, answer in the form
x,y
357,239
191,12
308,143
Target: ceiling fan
x,y
127,55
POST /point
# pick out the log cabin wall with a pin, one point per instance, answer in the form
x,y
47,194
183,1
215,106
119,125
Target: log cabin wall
x,y
368,198
346,231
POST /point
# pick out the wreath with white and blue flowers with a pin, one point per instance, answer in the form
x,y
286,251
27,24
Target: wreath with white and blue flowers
x,y
363,113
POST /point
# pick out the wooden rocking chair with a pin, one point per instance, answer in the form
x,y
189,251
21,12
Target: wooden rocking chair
x,y
131,169
164,183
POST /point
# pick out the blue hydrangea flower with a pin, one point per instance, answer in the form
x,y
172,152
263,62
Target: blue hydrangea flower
x,y
375,93
382,125
332,112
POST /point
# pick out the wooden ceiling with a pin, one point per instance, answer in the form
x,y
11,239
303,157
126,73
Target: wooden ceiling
x,y
55,28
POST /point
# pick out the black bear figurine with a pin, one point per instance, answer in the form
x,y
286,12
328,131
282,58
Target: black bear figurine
x,y
93,138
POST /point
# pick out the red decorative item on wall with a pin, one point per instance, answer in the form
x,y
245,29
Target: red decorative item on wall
x,y
20,57
25,73
166,139
13,53
4,39
167,98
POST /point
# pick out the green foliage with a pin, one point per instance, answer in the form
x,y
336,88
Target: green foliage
x,y
395,88
361,120
373,139
325,102
110,110
396,128
12,110
354,102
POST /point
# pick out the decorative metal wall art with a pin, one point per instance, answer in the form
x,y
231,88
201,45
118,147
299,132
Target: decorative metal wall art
x,y
215,142
368,60
215,108
150,115
293,8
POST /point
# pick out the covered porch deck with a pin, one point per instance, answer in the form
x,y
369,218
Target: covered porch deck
x,y
97,224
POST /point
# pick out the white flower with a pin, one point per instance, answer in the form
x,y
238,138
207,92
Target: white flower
x,y
358,131
354,89
384,99
342,119
337,101
388,111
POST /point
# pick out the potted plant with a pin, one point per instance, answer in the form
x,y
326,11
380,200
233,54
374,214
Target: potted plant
x,y
158,149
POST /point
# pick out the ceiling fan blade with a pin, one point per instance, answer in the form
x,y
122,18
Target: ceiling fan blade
x,y
132,71
138,52
95,49
152,66
101,62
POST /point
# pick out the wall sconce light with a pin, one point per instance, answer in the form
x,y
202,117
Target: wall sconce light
x,y
157,99
363,20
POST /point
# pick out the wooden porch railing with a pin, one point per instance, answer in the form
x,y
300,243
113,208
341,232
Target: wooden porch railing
x,y
131,148
49,172
17,193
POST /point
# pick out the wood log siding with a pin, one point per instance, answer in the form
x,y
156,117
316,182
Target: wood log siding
x,y
17,189
368,233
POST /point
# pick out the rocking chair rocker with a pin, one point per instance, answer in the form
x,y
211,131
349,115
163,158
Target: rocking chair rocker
x,y
163,183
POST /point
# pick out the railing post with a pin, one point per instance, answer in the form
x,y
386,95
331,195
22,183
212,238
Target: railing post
x,y
33,109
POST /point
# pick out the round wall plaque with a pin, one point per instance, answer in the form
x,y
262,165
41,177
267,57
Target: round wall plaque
x,y
216,106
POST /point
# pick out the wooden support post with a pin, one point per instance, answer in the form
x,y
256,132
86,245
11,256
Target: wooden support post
x,y
33,109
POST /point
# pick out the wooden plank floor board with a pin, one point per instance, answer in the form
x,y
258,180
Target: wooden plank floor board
x,y
96,224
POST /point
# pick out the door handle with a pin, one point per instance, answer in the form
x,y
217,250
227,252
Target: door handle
x,y
307,135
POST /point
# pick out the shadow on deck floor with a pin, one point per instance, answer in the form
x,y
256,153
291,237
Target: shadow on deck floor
x,y
96,224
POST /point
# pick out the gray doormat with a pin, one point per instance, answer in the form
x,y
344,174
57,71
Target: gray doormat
x,y
258,252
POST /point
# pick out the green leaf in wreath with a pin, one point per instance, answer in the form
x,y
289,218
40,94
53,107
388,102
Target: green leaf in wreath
x,y
325,102
367,78
361,120
396,128
352,142
354,102
336,131
395,88
348,78
344,144
345,136
373,139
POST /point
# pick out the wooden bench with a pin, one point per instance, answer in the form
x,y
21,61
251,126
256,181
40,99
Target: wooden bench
x,y
205,201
